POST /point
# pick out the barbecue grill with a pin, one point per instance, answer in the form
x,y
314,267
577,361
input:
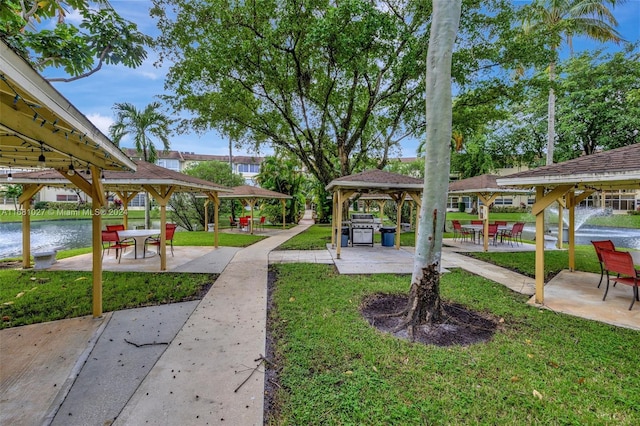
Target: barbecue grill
x,y
362,226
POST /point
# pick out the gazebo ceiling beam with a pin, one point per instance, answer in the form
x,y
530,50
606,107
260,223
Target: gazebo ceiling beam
x,y
549,198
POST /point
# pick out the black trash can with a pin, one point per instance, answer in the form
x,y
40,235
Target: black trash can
x,y
344,237
388,234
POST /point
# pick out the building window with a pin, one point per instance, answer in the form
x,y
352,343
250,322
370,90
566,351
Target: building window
x,y
248,168
620,200
138,200
503,202
66,197
170,164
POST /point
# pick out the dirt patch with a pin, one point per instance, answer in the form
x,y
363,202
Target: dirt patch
x,y
460,326
10,264
272,369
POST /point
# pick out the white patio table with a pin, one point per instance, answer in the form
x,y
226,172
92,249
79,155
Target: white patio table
x,y
139,235
477,229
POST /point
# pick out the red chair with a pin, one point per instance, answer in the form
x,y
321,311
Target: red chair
x,y
477,222
621,263
514,234
244,222
113,242
155,241
599,246
458,231
115,227
492,232
262,220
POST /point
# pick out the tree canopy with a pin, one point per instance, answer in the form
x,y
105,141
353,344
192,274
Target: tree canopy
x,y
598,101
102,37
338,84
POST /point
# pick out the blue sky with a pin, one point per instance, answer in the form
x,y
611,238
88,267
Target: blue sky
x,y
95,96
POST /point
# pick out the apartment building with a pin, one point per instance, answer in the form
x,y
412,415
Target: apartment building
x,y
246,166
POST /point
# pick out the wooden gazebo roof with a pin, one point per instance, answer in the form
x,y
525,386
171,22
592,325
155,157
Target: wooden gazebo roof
x,y
37,122
146,174
486,183
40,128
615,169
248,191
570,182
378,181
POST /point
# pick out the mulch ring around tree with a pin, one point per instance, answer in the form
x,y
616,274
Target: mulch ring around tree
x,y
459,326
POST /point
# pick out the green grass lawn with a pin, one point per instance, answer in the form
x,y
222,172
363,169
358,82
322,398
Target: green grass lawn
x,y
29,297
540,368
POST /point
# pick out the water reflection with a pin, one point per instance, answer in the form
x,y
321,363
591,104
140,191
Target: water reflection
x,y
621,237
55,233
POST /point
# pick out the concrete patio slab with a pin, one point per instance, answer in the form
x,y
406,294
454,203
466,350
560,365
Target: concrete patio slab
x,y
126,351
577,293
38,362
185,259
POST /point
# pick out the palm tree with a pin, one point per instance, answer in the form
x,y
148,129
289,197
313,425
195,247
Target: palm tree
x,y
144,126
12,192
561,20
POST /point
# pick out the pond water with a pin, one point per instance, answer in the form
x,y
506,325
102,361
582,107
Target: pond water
x,y
55,233
77,233
621,237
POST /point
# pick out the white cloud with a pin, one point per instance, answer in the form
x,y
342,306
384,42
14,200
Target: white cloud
x,y
101,122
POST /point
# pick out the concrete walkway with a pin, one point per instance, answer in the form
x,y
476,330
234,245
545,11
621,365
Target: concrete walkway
x,y
200,378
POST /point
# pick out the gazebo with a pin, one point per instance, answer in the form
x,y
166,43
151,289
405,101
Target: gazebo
x,y
249,195
40,128
487,190
158,181
398,187
569,183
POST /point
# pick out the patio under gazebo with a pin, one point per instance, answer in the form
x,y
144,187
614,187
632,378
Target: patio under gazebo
x,y
393,185
249,195
158,181
570,182
487,190
40,128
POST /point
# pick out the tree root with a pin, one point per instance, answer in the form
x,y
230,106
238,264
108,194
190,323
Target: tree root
x,y
393,314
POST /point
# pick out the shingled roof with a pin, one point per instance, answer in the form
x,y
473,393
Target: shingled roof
x,y
248,191
376,180
613,169
145,174
482,183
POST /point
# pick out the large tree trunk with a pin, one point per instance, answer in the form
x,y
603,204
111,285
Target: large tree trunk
x,y
424,298
551,115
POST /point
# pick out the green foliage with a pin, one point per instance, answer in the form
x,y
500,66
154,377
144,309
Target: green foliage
x,y
12,192
337,369
143,126
102,36
188,210
283,174
595,104
336,84
28,297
